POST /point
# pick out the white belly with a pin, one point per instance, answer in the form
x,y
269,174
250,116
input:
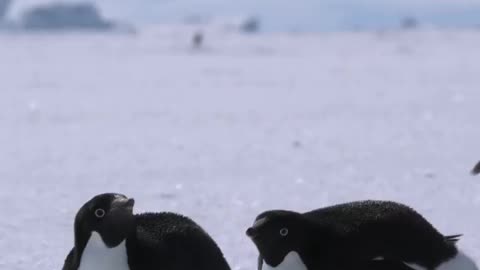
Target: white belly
x,y
291,262
97,256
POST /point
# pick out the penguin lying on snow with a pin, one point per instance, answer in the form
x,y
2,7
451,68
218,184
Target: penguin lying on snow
x,y
108,236
358,235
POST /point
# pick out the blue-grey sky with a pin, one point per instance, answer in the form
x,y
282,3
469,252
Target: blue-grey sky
x,y
306,15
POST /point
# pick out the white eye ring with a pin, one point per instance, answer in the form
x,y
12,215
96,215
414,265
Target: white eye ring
x,y
284,232
99,213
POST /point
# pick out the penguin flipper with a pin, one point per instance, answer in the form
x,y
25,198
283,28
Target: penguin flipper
x,y
260,262
68,264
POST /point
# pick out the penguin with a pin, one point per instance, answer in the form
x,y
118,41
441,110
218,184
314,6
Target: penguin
x,y
197,40
108,236
476,169
364,234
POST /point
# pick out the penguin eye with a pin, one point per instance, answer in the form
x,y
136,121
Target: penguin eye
x,y
284,232
99,213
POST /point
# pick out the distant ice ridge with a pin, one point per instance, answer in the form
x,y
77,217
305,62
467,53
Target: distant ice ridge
x,y
243,24
62,17
4,5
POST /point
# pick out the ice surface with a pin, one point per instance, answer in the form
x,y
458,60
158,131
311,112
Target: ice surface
x,y
249,123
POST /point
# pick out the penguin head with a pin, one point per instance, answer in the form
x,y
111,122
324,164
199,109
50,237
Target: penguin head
x,y
276,233
110,215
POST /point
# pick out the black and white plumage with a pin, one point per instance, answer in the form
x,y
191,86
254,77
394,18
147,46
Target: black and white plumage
x,y
108,236
366,234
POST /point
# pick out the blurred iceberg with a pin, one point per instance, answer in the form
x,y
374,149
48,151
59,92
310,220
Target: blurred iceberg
x,y
5,24
59,16
239,24
4,5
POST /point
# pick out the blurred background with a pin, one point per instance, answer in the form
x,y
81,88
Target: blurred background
x,y
283,15
220,110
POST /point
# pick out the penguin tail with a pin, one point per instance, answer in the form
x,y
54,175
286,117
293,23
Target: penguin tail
x,y
453,238
476,169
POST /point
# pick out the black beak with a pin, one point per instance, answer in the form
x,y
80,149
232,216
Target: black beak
x,y
130,203
124,203
252,232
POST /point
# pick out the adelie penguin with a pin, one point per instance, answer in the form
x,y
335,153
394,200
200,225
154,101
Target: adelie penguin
x,y
108,236
363,235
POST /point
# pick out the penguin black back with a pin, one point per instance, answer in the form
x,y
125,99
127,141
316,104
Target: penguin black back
x,y
175,242
391,229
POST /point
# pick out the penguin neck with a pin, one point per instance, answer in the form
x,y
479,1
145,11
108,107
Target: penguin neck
x,y
292,261
97,255
321,247
82,240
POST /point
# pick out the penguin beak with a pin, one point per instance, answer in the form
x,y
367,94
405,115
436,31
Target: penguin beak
x,y
124,203
130,203
251,232
254,231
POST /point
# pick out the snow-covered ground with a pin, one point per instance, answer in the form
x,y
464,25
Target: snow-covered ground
x,y
249,123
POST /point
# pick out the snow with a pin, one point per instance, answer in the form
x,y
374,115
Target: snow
x,y
247,124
